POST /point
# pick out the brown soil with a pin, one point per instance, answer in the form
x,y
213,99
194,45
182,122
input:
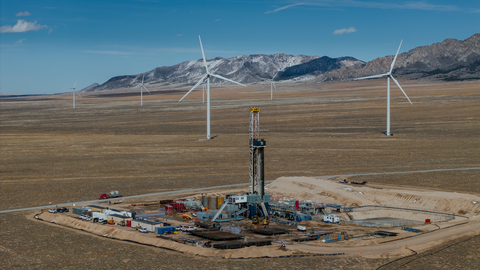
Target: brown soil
x,y
51,153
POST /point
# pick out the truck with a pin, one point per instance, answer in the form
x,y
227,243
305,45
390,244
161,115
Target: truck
x,y
359,183
180,207
112,194
187,228
301,228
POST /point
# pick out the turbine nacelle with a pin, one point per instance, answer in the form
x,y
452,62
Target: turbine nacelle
x,y
207,75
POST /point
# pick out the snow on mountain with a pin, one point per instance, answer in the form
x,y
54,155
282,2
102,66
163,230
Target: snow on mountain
x,y
243,68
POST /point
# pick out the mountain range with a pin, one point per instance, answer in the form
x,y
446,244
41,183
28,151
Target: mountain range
x,y
448,60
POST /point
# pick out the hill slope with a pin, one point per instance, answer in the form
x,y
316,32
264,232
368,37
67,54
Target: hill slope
x,y
449,60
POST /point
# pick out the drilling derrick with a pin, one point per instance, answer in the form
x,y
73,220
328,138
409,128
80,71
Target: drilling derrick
x,y
256,166
254,135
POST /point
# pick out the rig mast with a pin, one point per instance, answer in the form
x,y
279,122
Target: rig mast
x,y
256,171
254,134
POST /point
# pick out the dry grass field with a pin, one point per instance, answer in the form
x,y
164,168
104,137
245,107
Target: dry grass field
x,y
52,153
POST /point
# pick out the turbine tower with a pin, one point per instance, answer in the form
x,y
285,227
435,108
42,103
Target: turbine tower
x,y
73,92
272,85
389,76
207,76
141,91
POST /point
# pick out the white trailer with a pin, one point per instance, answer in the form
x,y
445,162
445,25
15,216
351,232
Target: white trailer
x,y
238,199
331,219
116,212
99,215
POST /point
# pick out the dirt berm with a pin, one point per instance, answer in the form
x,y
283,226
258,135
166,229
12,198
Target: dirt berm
x,y
126,235
329,191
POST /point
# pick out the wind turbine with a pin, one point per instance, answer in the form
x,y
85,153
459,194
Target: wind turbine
x,y
73,93
141,91
272,85
207,76
388,75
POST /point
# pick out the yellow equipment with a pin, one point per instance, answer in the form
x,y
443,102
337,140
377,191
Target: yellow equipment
x,y
265,222
255,220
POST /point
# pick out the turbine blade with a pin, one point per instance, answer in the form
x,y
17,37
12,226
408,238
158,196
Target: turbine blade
x,y
223,78
203,54
400,88
198,83
143,78
274,87
75,84
147,90
371,77
395,59
275,75
78,93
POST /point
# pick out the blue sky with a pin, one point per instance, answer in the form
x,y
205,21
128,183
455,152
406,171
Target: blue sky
x,y
45,45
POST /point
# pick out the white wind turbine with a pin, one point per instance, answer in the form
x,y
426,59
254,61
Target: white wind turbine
x,y
141,91
207,76
388,75
272,85
73,92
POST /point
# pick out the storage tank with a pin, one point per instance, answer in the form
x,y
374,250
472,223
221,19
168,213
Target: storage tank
x,y
204,201
220,201
213,203
208,203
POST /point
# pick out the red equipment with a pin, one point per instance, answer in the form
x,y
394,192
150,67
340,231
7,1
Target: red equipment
x,y
180,207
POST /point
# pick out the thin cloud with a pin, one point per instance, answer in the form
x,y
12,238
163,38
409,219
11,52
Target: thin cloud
x,y
20,41
108,52
26,13
21,26
419,5
217,20
344,31
179,35
284,7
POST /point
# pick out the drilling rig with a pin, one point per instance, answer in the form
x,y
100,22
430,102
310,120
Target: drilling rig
x,y
256,190
256,201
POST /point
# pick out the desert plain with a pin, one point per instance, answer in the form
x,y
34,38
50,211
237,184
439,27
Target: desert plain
x,y
51,153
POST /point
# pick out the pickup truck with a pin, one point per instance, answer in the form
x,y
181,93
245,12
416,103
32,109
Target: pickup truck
x,y
143,230
187,228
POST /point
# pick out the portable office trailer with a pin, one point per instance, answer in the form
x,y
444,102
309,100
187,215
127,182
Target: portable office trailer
x,y
331,219
96,214
149,225
118,218
163,230
238,199
80,210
